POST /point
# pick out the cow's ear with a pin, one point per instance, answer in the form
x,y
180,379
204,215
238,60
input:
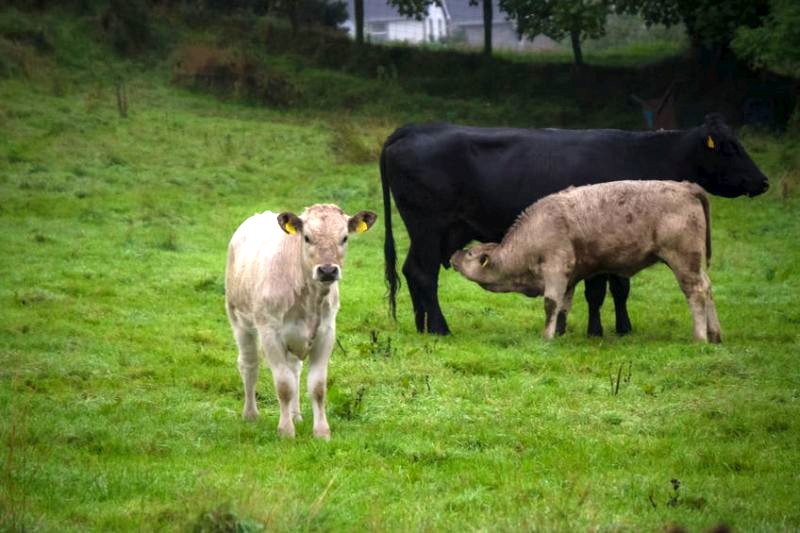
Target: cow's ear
x,y
290,223
484,259
361,221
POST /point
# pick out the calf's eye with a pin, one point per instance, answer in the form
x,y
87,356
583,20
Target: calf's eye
x,y
307,239
344,240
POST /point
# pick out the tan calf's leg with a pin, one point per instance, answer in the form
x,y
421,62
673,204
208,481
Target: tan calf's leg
x,y
695,286
714,329
561,320
555,287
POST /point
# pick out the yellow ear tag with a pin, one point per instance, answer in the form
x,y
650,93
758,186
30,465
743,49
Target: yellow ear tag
x,y
485,261
710,142
290,229
361,227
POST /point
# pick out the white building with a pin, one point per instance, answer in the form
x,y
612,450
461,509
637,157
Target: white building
x,y
383,22
454,18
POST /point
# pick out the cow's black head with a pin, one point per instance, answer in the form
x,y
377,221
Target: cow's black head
x,y
723,167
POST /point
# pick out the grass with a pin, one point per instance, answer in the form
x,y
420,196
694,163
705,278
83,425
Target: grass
x,y
120,399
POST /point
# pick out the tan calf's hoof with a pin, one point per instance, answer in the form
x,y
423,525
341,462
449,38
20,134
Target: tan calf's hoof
x,y
714,337
250,414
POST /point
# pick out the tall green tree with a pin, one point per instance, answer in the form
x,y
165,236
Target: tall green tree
x,y
578,19
775,45
710,24
358,7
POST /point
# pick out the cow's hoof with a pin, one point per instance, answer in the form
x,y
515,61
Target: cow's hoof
x,y
250,414
624,329
714,337
594,332
297,417
322,433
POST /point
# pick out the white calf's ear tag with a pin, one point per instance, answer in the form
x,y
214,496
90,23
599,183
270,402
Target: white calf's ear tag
x,y
289,227
485,261
361,227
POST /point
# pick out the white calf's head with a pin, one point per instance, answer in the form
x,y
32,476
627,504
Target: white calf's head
x,y
323,230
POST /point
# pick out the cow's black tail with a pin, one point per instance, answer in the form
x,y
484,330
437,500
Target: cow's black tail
x,y
389,253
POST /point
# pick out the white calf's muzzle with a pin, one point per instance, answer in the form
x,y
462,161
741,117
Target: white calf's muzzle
x,y
327,273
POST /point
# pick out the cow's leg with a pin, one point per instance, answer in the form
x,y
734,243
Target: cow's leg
x,y
248,368
595,292
620,288
318,379
714,329
282,363
421,270
694,285
561,320
555,287
297,369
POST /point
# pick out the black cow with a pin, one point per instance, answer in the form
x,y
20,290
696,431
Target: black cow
x,y
454,184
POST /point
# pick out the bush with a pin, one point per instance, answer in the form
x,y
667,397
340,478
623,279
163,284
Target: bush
x,y
226,72
17,59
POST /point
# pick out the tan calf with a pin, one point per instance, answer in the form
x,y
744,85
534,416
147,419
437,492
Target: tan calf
x,y
281,288
619,228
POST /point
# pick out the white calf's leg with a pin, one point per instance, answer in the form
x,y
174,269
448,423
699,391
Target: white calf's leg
x,y
248,368
318,379
283,377
297,369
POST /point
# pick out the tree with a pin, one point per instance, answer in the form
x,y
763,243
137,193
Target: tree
x,y
358,7
775,45
487,25
580,19
710,24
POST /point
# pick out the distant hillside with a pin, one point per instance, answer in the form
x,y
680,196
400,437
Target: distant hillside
x,y
259,59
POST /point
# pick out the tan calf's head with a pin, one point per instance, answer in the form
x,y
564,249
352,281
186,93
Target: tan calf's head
x,y
476,264
482,264
323,229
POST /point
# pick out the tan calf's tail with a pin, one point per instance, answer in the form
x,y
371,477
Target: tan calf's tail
x,y
700,193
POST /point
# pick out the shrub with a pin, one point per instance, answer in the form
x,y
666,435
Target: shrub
x,y
238,74
17,59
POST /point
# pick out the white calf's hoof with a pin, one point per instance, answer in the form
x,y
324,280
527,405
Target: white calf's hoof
x,y
286,432
250,414
322,433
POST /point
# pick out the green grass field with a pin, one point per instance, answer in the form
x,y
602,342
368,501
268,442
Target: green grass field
x,y
120,398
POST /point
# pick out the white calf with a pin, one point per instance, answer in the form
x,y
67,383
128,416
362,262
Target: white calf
x,y
281,286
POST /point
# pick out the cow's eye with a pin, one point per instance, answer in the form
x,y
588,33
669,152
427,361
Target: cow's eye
x,y
344,240
307,239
